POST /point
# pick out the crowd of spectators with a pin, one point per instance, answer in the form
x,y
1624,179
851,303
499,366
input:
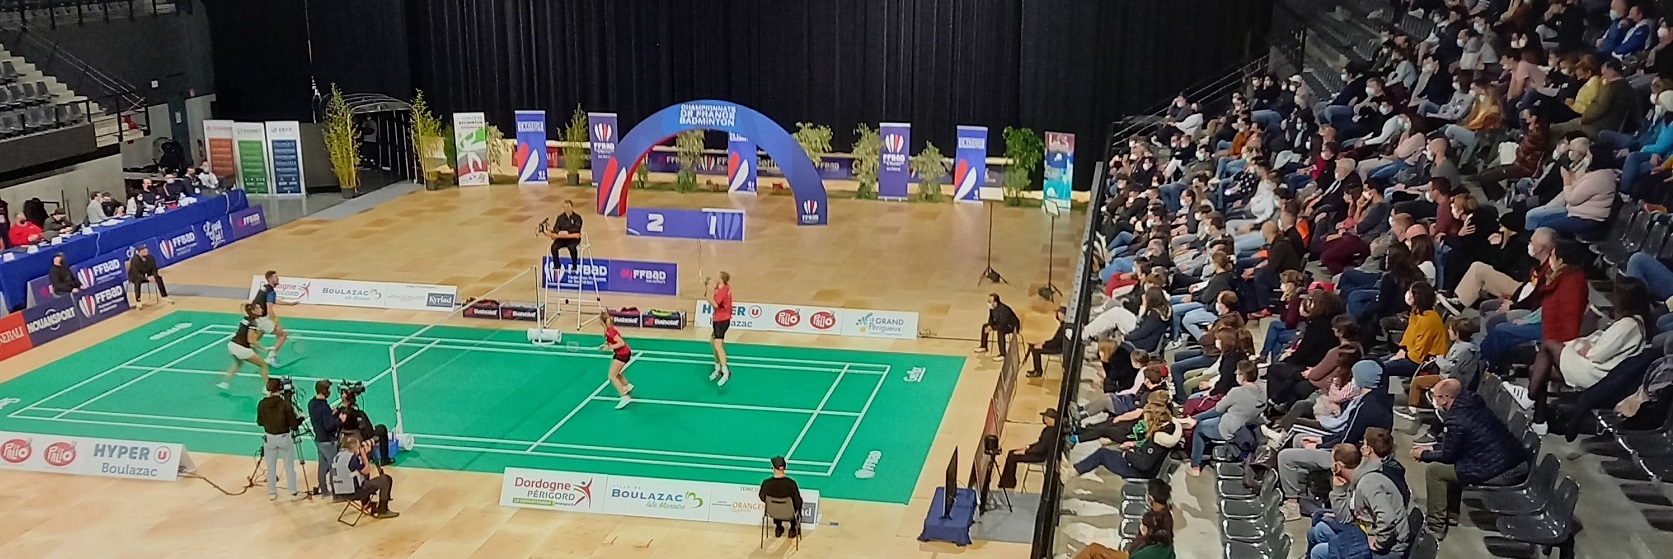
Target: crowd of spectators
x,y
1437,221
36,225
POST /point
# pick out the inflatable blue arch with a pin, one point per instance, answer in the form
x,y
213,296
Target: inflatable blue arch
x,y
799,171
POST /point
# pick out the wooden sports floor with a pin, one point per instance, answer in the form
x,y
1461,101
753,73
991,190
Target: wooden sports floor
x,y
897,256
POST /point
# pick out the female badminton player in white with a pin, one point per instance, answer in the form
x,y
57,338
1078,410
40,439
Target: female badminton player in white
x,y
244,345
614,343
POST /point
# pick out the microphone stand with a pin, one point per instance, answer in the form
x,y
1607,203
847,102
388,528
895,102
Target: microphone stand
x,y
1050,291
988,273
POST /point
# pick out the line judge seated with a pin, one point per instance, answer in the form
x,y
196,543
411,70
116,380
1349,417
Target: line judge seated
x,y
780,486
1001,320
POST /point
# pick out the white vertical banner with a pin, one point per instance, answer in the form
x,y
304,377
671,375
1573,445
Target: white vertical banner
x,y
470,137
284,146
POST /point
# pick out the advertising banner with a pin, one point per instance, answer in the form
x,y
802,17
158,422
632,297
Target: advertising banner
x,y
647,497
251,140
51,319
470,141
741,164
601,132
894,167
616,276
14,336
707,224
370,294
970,167
99,269
284,143
91,457
1060,171
180,245
247,222
530,156
98,302
216,232
219,148
802,319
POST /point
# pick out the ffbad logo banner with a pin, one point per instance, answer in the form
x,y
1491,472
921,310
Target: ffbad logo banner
x,y
601,134
893,168
618,276
91,457
531,147
970,169
741,164
99,302
247,222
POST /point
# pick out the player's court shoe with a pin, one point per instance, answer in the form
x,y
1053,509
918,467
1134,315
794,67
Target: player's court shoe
x,y
623,402
724,376
714,376
224,385
628,389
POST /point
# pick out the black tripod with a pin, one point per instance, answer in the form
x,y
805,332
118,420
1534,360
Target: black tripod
x,y
296,447
988,273
1050,291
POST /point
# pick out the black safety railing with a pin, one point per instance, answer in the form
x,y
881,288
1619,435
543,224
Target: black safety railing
x,y
111,97
53,13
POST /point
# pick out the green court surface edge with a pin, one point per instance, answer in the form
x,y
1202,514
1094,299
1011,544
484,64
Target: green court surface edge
x,y
483,399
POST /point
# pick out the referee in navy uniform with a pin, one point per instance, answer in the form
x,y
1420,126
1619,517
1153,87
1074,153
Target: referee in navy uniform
x,y
566,234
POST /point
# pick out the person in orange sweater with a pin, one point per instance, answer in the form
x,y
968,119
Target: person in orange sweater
x,y
1425,334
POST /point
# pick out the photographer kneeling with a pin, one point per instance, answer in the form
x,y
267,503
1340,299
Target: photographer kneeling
x,y
352,477
355,421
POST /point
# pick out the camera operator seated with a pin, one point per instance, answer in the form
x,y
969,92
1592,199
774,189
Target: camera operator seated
x,y
352,478
355,421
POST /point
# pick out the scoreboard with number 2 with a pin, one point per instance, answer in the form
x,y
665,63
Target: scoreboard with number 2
x,y
709,224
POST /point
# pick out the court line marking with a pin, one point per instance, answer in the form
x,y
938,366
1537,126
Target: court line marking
x,y
815,416
524,346
131,382
690,358
581,404
420,437
756,469
136,359
751,459
856,427
729,406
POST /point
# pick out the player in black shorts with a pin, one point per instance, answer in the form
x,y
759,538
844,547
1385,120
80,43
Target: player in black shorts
x,y
722,301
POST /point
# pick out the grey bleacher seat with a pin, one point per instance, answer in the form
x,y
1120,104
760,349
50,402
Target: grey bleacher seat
x,y
62,112
8,72
10,124
19,97
42,94
77,115
5,98
49,117
25,94
29,122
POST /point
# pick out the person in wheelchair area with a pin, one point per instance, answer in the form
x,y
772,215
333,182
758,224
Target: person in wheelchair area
x,y
352,477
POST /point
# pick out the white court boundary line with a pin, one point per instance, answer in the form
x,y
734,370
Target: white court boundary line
x,y
581,404
815,416
856,427
513,347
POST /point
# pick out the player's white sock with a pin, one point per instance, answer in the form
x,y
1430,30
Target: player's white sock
x,y
725,376
273,358
623,402
627,389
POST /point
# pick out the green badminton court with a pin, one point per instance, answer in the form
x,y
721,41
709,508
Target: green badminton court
x,y
482,399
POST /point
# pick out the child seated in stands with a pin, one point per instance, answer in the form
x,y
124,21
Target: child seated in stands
x,y
1462,360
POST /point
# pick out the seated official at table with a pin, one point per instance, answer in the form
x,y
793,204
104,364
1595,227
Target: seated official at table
x,y
23,232
142,269
60,222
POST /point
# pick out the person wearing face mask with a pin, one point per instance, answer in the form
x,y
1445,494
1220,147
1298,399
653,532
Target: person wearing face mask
x,y
1630,35
1470,46
1525,74
1660,60
1555,308
1433,87
1563,26
1353,93
1408,151
1530,152
1402,71
1487,113
1456,107
1585,200
1615,102
1660,135
1448,22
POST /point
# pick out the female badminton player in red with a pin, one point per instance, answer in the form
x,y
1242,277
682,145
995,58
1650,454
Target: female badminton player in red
x,y
618,363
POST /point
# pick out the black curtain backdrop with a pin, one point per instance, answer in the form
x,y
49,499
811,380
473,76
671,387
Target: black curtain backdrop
x,y
1051,65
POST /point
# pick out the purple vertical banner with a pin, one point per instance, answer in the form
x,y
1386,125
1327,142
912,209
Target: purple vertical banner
x,y
893,170
740,164
971,166
531,147
601,129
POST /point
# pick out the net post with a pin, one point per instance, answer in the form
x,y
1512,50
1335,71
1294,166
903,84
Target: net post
x,y
395,385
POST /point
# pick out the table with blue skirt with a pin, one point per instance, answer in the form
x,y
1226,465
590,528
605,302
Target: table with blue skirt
x,y
24,266
956,529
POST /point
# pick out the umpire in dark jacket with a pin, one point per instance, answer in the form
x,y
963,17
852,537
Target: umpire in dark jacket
x,y
1001,320
142,269
1034,453
1475,449
62,279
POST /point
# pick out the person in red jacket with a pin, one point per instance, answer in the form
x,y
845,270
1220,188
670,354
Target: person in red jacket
x,y
1561,292
23,232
